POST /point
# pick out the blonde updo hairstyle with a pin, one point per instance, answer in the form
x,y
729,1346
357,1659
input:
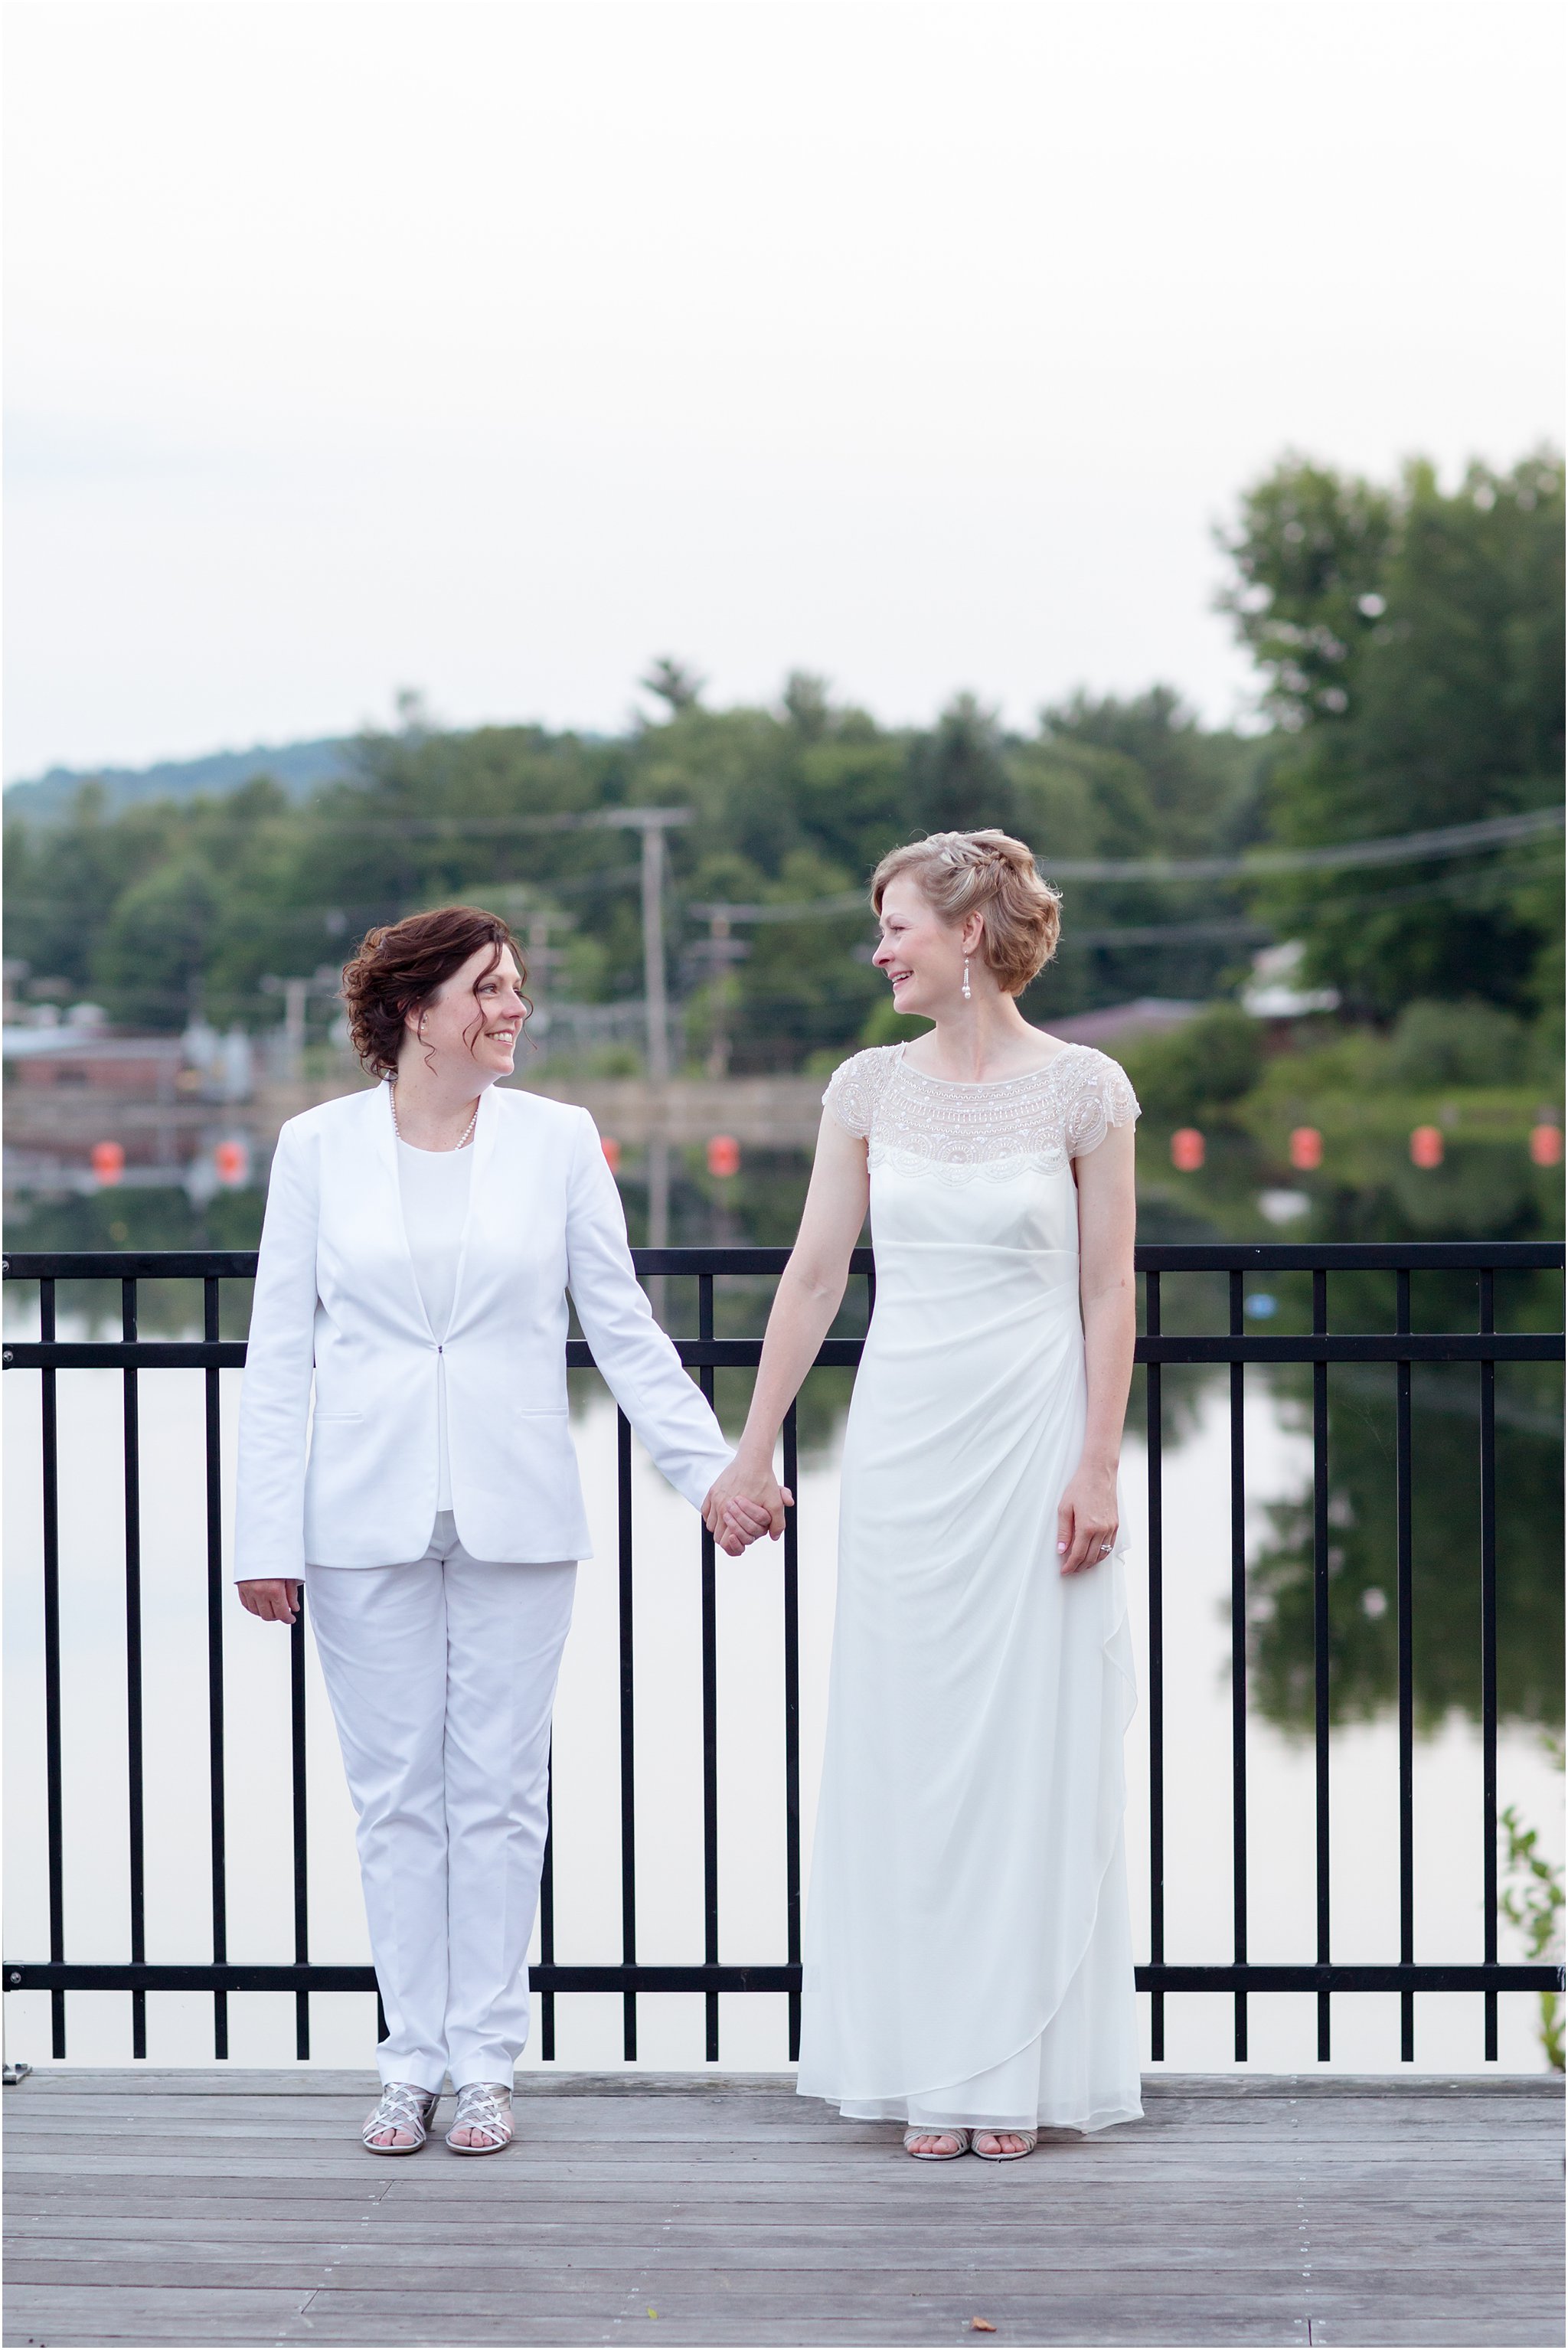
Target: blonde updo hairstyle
x,y
990,874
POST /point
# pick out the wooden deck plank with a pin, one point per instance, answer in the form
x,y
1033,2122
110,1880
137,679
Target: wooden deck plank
x,y
93,2321
157,2207
1220,2096
1199,2239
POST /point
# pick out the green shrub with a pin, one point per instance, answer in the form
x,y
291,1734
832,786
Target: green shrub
x,y
1466,1043
1211,1059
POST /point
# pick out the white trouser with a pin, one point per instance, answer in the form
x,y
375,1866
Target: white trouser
x,y
441,1675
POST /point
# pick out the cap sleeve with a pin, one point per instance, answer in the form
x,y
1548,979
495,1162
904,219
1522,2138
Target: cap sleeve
x,y
855,1087
1103,1097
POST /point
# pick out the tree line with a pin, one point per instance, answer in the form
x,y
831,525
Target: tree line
x,y
1409,643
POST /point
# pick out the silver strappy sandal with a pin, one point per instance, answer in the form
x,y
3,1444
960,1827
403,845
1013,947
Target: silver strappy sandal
x,y
485,2105
936,2129
1006,2154
403,2106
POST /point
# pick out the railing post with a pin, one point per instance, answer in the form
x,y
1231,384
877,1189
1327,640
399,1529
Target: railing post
x,y
1489,1654
54,1796
1404,1599
1238,1668
709,1716
301,1826
627,1738
136,1789
792,1722
1153,1407
213,1436
1320,1644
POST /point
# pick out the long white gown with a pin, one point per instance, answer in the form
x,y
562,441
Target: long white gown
x,y
968,1956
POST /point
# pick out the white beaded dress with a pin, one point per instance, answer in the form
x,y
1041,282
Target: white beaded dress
x,y
968,1955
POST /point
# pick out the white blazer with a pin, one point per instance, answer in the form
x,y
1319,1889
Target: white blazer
x,y
336,1301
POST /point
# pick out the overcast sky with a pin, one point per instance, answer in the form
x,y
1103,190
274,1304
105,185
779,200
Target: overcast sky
x,y
490,346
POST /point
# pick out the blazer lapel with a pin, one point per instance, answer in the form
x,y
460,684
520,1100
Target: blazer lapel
x,y
389,1191
486,1124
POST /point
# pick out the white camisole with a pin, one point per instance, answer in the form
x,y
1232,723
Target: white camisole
x,y
435,1186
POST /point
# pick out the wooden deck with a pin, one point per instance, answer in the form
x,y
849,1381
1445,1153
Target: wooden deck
x,y
215,2206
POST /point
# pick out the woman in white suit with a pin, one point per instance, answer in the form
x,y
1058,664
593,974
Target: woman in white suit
x,y
419,1245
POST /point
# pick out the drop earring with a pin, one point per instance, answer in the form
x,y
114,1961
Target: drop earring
x,y
967,990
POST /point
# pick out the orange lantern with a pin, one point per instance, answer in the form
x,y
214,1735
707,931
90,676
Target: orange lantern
x,y
1546,1144
723,1155
232,1160
108,1162
611,1150
1427,1147
1187,1150
1306,1147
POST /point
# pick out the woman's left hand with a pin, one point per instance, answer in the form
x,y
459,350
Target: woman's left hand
x,y
743,1504
1087,1519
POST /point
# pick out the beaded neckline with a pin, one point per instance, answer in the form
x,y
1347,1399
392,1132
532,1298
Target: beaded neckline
x,y
987,1084
1041,1119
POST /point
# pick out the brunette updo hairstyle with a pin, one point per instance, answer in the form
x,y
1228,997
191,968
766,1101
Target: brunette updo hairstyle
x,y
400,966
990,874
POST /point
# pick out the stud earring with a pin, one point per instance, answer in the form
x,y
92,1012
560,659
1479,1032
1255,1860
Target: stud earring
x,y
967,990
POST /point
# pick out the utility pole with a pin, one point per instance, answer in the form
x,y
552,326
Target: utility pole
x,y
288,1062
288,1065
532,922
721,951
653,823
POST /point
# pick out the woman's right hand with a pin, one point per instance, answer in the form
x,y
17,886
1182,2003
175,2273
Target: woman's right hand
x,y
744,1502
273,1600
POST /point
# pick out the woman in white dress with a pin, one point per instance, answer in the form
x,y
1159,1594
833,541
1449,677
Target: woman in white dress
x,y
968,1967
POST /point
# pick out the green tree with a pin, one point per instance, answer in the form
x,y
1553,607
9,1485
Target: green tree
x,y
153,953
673,683
1411,641
958,774
1197,786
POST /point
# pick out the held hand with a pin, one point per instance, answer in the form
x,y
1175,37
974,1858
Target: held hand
x,y
1086,1520
743,1505
275,1602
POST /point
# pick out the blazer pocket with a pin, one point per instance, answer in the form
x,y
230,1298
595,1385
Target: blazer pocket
x,y
320,1418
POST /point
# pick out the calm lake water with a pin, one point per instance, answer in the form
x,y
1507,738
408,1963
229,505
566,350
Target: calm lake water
x,y
750,1719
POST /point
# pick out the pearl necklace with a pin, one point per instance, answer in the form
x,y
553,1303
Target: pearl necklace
x,y
458,1145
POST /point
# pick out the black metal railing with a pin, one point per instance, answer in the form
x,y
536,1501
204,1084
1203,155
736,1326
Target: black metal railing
x,y
1236,1348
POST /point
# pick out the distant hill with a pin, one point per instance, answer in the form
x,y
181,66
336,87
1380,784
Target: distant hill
x,y
300,767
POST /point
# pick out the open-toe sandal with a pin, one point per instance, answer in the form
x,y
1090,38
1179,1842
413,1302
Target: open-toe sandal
x,y
405,2108
484,2106
1005,2154
912,2139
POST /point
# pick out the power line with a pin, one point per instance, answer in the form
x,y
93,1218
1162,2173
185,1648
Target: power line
x,y
804,909
257,913
492,827
1450,840
1167,934
1405,848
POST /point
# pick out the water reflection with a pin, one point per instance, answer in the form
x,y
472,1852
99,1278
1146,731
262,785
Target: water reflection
x,y
1445,1605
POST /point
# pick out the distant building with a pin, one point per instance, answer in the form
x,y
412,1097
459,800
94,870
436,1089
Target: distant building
x,y
1274,991
1146,1015
82,1060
